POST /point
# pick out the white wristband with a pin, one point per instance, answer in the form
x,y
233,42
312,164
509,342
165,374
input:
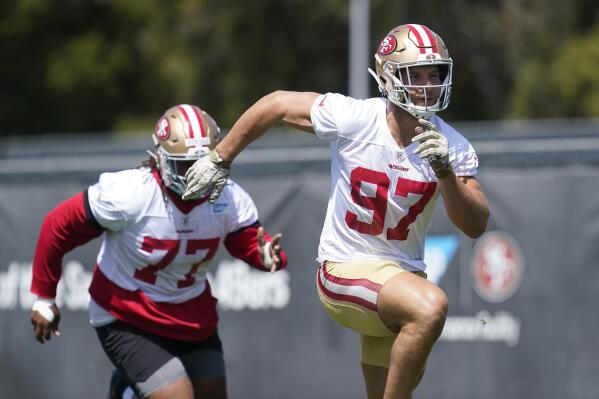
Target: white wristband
x,y
267,262
43,307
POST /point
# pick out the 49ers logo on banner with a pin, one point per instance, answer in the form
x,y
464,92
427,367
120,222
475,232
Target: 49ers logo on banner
x,y
497,266
388,45
162,129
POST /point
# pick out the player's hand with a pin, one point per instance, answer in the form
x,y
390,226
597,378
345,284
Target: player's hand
x,y
207,176
269,250
45,317
433,147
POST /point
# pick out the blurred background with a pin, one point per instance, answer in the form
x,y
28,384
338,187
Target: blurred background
x,y
90,66
84,81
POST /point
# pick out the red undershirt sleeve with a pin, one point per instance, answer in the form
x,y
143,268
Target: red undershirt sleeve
x,y
243,244
69,225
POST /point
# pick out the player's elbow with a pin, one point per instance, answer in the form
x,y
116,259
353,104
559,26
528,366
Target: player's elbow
x,y
277,103
475,232
475,228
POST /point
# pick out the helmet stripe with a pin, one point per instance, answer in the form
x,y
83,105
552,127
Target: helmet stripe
x,y
431,38
186,115
418,37
195,122
425,44
196,110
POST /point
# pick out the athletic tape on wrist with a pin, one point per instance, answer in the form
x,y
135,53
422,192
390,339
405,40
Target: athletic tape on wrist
x,y
267,262
43,307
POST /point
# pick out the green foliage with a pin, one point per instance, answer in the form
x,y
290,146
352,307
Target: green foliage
x,y
100,65
575,75
73,66
565,85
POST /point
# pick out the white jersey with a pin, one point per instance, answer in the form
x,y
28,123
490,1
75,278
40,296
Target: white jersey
x,y
152,246
382,196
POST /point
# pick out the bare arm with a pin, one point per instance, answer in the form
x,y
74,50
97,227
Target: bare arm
x,y
465,203
208,175
291,108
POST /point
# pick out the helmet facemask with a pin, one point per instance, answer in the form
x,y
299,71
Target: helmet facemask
x,y
400,86
184,134
172,167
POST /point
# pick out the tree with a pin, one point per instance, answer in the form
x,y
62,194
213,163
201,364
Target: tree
x,y
96,65
566,85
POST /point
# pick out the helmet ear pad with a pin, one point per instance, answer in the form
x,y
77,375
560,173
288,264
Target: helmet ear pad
x,y
183,133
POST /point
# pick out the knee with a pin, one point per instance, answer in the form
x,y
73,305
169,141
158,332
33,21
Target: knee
x,y
431,315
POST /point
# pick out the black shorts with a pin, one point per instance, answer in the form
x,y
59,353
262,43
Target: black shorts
x,y
150,361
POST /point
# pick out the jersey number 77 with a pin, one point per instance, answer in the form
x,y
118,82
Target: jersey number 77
x,y
150,272
378,203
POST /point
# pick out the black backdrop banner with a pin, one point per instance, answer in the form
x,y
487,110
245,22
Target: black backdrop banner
x,y
523,320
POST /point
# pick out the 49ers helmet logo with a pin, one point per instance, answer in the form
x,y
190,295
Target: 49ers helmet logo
x,y
162,129
497,266
388,45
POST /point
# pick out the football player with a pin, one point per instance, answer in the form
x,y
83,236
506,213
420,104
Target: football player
x,y
151,303
392,157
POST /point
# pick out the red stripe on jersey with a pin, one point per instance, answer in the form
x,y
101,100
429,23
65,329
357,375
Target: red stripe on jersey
x,y
64,228
190,128
322,101
431,38
345,297
200,121
418,38
194,320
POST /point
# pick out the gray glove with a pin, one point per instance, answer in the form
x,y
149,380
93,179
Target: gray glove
x,y
433,147
207,176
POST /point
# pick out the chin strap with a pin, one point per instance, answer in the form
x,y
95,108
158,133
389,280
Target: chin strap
x,y
378,81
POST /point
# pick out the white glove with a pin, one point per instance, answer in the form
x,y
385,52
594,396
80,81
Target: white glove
x,y
433,147
207,176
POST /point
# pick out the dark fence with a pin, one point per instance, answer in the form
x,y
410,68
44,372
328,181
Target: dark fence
x,y
523,319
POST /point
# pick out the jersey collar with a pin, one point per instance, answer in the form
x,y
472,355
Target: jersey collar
x,y
183,206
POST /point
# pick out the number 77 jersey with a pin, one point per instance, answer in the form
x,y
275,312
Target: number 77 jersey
x,y
382,196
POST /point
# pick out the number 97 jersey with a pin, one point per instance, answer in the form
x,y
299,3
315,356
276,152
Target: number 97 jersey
x,y
382,196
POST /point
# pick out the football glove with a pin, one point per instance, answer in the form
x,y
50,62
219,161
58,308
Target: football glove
x,y
433,147
207,176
